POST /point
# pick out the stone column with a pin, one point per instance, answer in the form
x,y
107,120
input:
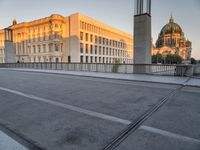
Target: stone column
x,y
10,54
142,37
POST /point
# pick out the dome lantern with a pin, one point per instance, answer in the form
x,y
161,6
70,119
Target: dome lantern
x,y
171,20
14,22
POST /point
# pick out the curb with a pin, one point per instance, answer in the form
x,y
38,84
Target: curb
x,y
60,73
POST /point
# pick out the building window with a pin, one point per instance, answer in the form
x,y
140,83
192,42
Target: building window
x,y
86,37
81,47
81,36
69,59
56,47
44,48
95,59
34,49
99,40
57,60
86,48
96,39
103,50
99,50
91,59
91,49
106,41
44,36
99,59
81,59
33,38
91,38
56,25
103,41
61,47
95,50
56,35
50,47
38,37
86,59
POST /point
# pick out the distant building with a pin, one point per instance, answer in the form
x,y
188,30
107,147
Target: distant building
x,y
76,38
171,40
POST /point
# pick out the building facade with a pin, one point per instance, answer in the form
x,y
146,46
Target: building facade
x,y
2,45
171,40
75,38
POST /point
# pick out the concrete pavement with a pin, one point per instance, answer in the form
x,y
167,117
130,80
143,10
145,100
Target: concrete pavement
x,y
174,127
129,77
59,112
7,143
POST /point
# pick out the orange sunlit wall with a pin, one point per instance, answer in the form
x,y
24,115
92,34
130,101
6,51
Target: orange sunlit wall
x,y
75,38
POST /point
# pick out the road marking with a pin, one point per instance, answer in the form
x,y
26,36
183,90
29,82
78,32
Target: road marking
x,y
7,143
170,134
69,107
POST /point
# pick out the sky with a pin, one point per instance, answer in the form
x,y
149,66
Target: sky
x,y
117,13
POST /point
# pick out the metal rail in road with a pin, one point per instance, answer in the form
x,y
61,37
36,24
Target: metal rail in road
x,y
136,124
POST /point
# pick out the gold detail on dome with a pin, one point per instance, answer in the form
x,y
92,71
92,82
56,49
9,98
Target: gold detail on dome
x,y
171,19
171,40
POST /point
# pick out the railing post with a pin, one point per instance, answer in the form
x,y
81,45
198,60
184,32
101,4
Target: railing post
x,y
61,66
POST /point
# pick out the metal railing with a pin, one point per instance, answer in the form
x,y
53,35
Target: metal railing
x,y
154,69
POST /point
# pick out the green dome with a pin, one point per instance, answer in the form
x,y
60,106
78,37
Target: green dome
x,y
171,28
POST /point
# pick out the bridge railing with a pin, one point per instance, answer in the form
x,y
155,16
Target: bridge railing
x,y
153,69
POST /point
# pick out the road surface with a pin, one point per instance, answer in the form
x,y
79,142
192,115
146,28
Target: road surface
x,y
63,112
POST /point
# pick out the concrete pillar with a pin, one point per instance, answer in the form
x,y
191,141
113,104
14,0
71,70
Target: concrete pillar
x,y
10,54
142,36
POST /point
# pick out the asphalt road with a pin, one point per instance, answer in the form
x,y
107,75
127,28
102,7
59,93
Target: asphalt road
x,y
60,112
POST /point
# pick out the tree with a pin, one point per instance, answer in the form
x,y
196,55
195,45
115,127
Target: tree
x,y
173,59
116,65
169,59
193,61
158,58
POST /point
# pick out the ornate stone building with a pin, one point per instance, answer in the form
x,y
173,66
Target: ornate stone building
x,y
171,40
75,38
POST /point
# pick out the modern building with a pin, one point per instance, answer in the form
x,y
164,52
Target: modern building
x,y
75,38
171,40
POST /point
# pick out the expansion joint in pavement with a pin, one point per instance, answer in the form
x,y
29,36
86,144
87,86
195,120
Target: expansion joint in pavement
x,y
138,122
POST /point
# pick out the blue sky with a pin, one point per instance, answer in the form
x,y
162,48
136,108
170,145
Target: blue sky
x,y
117,13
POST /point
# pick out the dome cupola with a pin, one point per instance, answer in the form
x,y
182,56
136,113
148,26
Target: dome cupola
x,y
171,28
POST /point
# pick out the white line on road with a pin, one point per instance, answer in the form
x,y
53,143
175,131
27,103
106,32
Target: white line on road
x,y
170,134
7,143
69,107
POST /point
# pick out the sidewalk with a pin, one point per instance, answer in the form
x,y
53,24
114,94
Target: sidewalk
x,y
7,143
130,77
